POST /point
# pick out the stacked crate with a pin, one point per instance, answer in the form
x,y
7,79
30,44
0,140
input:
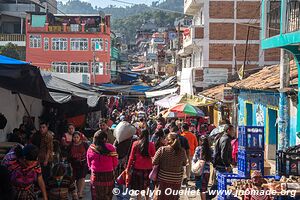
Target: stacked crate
x,y
250,157
251,150
288,161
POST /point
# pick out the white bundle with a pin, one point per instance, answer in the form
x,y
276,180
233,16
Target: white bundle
x,y
124,131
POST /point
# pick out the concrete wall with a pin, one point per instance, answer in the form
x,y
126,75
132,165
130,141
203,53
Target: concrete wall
x,y
13,110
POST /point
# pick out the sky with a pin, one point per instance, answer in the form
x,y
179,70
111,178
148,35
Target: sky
x,y
105,3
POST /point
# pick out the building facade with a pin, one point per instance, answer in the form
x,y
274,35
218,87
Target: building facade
x,y
70,44
281,29
223,37
12,18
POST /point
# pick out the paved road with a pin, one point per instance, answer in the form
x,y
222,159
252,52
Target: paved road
x,y
87,193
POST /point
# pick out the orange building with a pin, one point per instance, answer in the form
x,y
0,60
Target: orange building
x,y
70,43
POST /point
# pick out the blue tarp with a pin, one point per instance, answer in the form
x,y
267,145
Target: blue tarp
x,y
128,88
10,61
140,88
128,77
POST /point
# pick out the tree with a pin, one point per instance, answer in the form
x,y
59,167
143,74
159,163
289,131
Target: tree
x,y
10,50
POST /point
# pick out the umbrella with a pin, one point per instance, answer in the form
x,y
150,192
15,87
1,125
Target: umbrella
x,y
169,114
217,130
187,109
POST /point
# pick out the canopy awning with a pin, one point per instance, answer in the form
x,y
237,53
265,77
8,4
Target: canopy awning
x,y
68,90
142,69
197,100
161,92
172,100
168,101
21,77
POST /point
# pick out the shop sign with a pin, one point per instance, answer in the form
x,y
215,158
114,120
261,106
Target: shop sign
x,y
228,95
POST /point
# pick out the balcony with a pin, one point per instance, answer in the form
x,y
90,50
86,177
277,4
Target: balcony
x,y
17,39
273,18
192,7
193,36
292,16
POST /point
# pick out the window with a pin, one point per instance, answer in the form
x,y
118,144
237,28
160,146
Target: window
x,y
79,67
46,44
60,67
35,41
98,66
97,44
59,44
106,45
107,68
79,44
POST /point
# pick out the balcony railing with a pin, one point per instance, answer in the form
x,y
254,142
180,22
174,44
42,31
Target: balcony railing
x,y
273,18
12,37
292,15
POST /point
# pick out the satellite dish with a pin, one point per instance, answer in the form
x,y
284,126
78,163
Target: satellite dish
x,y
101,14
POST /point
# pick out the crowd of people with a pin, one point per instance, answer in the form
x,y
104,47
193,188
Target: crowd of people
x,y
56,168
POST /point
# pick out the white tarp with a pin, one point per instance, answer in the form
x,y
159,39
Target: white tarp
x,y
186,82
160,92
168,101
142,69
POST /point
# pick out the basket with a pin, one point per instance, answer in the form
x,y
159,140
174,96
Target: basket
x,y
225,180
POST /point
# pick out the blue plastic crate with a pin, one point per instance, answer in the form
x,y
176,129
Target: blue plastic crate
x,y
249,161
251,138
225,180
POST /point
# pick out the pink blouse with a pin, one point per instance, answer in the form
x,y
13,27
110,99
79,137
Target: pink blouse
x,y
101,163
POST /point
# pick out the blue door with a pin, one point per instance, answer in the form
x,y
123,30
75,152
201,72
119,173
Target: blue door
x,y
249,113
272,126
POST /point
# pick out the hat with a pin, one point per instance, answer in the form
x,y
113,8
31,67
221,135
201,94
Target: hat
x,y
256,173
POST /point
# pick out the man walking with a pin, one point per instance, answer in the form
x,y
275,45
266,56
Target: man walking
x,y
193,143
109,132
44,140
223,151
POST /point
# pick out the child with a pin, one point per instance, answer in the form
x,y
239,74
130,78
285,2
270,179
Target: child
x,y
60,185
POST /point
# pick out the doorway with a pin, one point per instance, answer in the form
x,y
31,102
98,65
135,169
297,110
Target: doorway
x,y
249,114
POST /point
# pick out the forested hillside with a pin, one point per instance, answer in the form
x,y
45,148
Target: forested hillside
x,y
127,19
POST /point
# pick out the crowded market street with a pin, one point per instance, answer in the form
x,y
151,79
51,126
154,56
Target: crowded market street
x,y
149,100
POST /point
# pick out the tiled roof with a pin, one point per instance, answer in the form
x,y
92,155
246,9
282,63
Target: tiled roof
x,y
266,79
214,92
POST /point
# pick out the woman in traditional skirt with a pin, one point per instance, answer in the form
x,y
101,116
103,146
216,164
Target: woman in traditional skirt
x,y
24,172
140,161
60,185
170,160
77,152
102,159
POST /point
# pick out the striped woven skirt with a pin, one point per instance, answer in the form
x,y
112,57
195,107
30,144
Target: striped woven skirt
x,y
164,189
27,194
102,184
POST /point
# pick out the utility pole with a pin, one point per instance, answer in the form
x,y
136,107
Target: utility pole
x,y
284,120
